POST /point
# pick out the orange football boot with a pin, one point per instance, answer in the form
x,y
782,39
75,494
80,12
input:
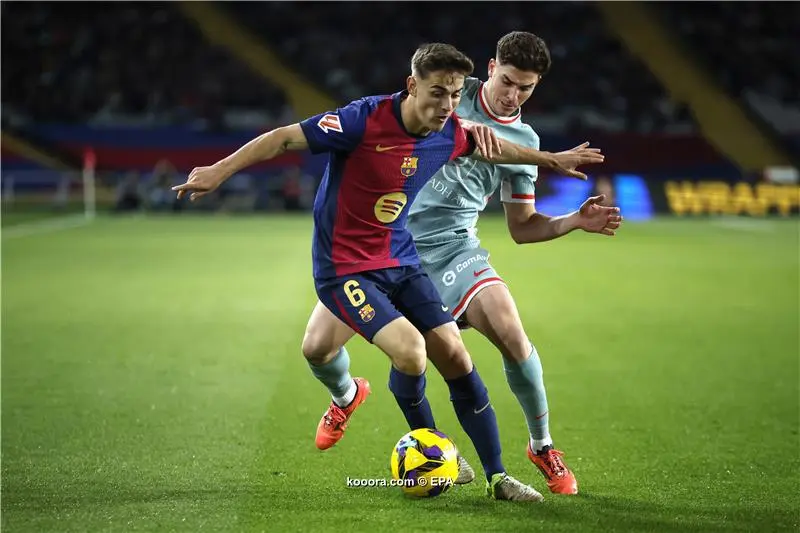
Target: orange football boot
x,y
333,423
560,479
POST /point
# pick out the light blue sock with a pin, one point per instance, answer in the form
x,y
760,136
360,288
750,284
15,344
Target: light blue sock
x,y
335,375
527,384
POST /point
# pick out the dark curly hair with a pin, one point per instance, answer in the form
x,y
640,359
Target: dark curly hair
x,y
524,51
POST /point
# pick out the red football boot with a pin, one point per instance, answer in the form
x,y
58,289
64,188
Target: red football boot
x,y
560,479
333,423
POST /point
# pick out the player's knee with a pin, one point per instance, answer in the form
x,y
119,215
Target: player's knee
x,y
515,344
457,359
450,355
317,349
410,357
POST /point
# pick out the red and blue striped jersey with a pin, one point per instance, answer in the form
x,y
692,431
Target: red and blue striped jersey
x,y
375,170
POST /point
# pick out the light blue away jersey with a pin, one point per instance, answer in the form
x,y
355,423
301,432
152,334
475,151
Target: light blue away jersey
x,y
444,215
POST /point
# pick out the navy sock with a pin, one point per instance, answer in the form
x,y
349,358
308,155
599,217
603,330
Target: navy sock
x,y
476,415
409,391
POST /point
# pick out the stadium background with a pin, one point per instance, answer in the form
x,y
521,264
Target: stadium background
x,y
151,374
707,95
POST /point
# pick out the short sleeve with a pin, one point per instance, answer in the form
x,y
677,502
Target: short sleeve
x,y
518,182
518,189
337,131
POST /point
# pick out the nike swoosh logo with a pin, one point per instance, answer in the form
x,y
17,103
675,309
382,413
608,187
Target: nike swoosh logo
x,y
445,308
541,415
479,272
419,402
482,409
381,148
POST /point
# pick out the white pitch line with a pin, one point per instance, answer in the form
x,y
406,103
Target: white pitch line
x,y
44,226
745,224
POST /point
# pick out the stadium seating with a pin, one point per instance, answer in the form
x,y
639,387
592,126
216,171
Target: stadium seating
x,y
752,49
124,63
352,49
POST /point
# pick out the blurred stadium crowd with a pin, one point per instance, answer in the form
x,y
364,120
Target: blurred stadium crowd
x,y
124,63
594,82
146,65
751,48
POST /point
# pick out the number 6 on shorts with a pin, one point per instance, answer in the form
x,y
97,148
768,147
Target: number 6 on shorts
x,y
353,293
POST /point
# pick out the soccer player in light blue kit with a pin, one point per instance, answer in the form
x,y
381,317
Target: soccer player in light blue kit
x,y
442,221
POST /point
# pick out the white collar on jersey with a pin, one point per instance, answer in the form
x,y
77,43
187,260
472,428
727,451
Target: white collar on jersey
x,y
488,110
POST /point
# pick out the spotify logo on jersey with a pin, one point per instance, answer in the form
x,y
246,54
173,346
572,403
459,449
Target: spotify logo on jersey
x,y
389,206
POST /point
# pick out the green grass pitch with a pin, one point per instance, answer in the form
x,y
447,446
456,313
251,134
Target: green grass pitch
x,y
152,381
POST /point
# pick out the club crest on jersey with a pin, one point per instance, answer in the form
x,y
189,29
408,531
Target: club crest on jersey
x,y
409,166
389,206
330,122
367,313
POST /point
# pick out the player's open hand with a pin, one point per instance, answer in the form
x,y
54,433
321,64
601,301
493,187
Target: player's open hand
x,y
567,161
201,181
485,139
596,218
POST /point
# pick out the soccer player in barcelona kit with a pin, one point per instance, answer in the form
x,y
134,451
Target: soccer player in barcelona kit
x,y
382,151
443,220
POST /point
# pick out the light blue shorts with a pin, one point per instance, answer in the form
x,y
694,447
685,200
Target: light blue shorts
x,y
461,276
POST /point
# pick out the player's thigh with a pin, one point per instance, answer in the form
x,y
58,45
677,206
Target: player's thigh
x,y
493,312
360,301
403,344
325,335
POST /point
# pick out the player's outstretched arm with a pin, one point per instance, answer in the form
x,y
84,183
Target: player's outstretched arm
x,y
505,152
527,226
203,180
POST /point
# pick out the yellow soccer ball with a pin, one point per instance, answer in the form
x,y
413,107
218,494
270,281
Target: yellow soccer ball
x,y
425,463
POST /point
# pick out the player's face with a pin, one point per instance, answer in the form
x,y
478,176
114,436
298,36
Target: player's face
x,y
436,97
509,88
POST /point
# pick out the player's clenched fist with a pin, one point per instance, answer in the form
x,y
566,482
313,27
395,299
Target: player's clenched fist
x,y
202,180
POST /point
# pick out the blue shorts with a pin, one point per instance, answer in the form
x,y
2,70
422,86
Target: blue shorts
x,y
367,301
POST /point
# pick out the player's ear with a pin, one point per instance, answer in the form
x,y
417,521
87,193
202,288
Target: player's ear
x,y
411,85
492,65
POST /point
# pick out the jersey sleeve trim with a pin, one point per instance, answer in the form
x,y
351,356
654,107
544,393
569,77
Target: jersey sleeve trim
x,y
313,145
508,196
